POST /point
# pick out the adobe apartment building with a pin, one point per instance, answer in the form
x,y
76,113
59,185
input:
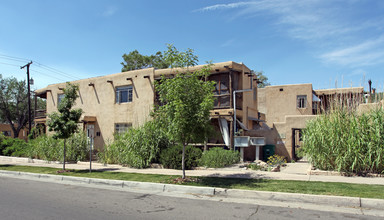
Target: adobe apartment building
x,y
116,102
6,130
285,110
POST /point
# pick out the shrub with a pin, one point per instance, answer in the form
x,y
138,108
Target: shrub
x,y
51,149
172,156
14,147
346,141
136,148
2,145
218,157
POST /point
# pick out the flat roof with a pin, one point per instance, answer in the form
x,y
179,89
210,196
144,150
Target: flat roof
x,y
339,91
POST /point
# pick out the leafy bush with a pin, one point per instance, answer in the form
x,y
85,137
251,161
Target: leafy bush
x,y
13,147
218,157
172,156
136,148
51,149
346,141
2,145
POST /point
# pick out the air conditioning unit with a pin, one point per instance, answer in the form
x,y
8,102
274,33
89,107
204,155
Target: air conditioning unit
x,y
257,141
242,141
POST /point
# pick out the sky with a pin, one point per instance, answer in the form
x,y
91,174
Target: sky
x,y
329,43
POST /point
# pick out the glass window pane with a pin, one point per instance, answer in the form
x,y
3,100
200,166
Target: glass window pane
x,y
123,96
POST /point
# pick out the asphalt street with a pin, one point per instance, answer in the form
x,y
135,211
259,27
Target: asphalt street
x,y
26,199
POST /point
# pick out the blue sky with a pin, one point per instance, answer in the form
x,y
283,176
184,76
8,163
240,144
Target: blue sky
x,y
324,42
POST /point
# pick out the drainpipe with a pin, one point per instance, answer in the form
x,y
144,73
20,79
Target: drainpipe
x,y
234,106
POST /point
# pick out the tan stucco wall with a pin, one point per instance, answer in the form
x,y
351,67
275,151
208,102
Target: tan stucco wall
x,y
280,133
7,128
261,100
369,106
99,100
281,103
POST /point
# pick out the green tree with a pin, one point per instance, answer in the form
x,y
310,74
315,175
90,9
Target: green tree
x,y
261,78
13,103
134,61
187,99
64,122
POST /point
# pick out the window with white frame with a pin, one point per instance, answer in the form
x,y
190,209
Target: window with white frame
x,y
122,127
301,101
59,98
123,94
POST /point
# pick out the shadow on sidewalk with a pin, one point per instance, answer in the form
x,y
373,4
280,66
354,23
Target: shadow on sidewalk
x,y
98,170
238,175
232,181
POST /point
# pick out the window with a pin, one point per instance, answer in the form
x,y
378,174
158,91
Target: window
x,y
301,101
122,127
221,92
124,94
59,98
7,133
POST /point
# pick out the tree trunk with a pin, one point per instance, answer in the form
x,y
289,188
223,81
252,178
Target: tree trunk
x,y
65,140
15,132
183,161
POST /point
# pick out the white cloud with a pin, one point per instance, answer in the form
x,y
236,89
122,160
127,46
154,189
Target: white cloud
x,y
224,6
370,52
228,43
109,11
310,19
324,24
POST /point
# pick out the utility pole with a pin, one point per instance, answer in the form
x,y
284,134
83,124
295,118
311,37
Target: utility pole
x,y
29,96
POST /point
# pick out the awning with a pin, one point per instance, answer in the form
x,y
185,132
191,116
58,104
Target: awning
x,y
255,119
224,130
315,98
242,125
89,119
42,93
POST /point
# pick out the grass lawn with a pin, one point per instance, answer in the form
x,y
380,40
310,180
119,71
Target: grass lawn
x,y
290,186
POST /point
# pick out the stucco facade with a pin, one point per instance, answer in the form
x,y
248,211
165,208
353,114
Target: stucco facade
x,y
104,114
287,108
6,130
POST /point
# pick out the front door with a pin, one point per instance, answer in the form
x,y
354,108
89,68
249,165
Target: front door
x,y
90,134
296,142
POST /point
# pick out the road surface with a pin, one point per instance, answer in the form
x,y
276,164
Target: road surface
x,y
26,199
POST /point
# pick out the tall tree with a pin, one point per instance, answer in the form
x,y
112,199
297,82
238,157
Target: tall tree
x,y
64,122
13,103
134,61
187,99
262,79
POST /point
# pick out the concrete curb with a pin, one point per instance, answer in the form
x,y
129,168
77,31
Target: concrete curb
x,y
340,201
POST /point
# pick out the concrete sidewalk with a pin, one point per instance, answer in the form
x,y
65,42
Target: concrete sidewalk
x,y
293,171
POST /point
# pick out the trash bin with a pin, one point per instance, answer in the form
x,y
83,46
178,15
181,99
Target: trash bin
x,y
268,150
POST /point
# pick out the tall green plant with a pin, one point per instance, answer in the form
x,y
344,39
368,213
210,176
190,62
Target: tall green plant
x,y
138,147
218,157
187,99
64,122
51,149
346,141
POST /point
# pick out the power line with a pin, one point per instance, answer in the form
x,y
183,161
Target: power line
x,y
36,71
45,74
55,70
9,64
14,58
39,65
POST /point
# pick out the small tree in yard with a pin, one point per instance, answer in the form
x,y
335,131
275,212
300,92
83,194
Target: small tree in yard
x,y
64,122
187,99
